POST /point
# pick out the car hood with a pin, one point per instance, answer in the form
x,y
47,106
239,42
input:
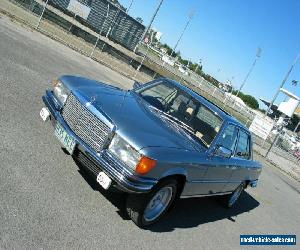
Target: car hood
x,y
134,119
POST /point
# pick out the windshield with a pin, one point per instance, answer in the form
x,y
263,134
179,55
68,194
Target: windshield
x,y
184,109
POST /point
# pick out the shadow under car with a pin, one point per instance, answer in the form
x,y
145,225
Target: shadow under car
x,y
187,213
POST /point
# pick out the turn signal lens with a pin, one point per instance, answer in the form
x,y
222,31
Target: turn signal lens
x,y
55,82
145,165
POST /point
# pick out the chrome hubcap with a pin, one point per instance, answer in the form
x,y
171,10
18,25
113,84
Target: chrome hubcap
x,y
158,204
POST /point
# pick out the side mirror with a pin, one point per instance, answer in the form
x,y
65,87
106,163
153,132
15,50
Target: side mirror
x,y
136,84
222,151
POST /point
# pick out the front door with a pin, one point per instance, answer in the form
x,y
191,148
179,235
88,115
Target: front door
x,y
220,170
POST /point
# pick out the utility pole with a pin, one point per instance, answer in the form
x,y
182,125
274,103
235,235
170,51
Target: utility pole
x,y
282,83
258,53
191,15
150,24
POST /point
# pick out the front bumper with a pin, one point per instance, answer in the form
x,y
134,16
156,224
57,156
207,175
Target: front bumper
x,y
103,161
253,183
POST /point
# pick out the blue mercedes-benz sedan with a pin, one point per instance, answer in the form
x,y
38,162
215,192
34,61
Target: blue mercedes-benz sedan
x,y
158,142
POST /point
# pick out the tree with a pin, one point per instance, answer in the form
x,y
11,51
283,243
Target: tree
x,y
251,101
140,20
167,47
248,100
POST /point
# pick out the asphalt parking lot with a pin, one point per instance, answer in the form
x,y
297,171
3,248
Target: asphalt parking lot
x,y
46,202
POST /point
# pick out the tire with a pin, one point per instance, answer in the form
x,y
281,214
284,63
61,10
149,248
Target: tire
x,y
146,209
230,200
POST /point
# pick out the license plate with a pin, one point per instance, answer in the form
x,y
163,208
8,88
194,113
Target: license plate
x,y
103,180
67,141
45,114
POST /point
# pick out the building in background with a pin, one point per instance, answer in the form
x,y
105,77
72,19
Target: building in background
x,y
226,86
109,17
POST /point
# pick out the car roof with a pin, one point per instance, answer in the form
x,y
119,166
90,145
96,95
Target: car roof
x,y
222,113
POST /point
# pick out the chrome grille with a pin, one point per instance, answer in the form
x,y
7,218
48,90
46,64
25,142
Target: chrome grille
x,y
85,124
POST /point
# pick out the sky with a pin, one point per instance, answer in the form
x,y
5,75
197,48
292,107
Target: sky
x,y
225,35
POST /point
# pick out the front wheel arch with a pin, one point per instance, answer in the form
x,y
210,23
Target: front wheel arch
x,y
180,178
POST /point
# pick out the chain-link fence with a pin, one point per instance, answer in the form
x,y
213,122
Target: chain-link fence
x,y
289,149
281,151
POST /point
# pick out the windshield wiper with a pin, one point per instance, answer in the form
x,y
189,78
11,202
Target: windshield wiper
x,y
180,123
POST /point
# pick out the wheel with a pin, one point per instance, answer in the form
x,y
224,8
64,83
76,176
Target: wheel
x,y
231,199
146,209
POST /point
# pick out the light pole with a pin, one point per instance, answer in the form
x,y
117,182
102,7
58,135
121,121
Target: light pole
x,y
258,54
191,15
145,55
200,63
129,6
282,83
150,24
296,128
230,94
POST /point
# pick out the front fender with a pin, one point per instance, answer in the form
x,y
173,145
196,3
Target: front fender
x,y
175,171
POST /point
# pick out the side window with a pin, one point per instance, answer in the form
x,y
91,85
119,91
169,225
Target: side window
x,y
243,146
179,101
161,91
183,108
229,138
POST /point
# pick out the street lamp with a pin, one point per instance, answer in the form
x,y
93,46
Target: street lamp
x,y
258,54
150,24
282,83
191,15
129,6
200,63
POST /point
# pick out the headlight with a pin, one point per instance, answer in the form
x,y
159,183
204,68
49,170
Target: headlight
x,y
124,151
127,154
60,91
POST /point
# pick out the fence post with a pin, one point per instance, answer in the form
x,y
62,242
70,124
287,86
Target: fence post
x,y
272,144
214,91
41,16
247,122
113,23
98,37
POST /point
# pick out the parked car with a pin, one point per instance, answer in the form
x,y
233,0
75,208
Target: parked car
x,y
295,143
157,142
296,153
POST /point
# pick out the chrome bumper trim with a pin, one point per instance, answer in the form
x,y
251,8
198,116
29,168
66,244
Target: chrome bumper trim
x,y
114,169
